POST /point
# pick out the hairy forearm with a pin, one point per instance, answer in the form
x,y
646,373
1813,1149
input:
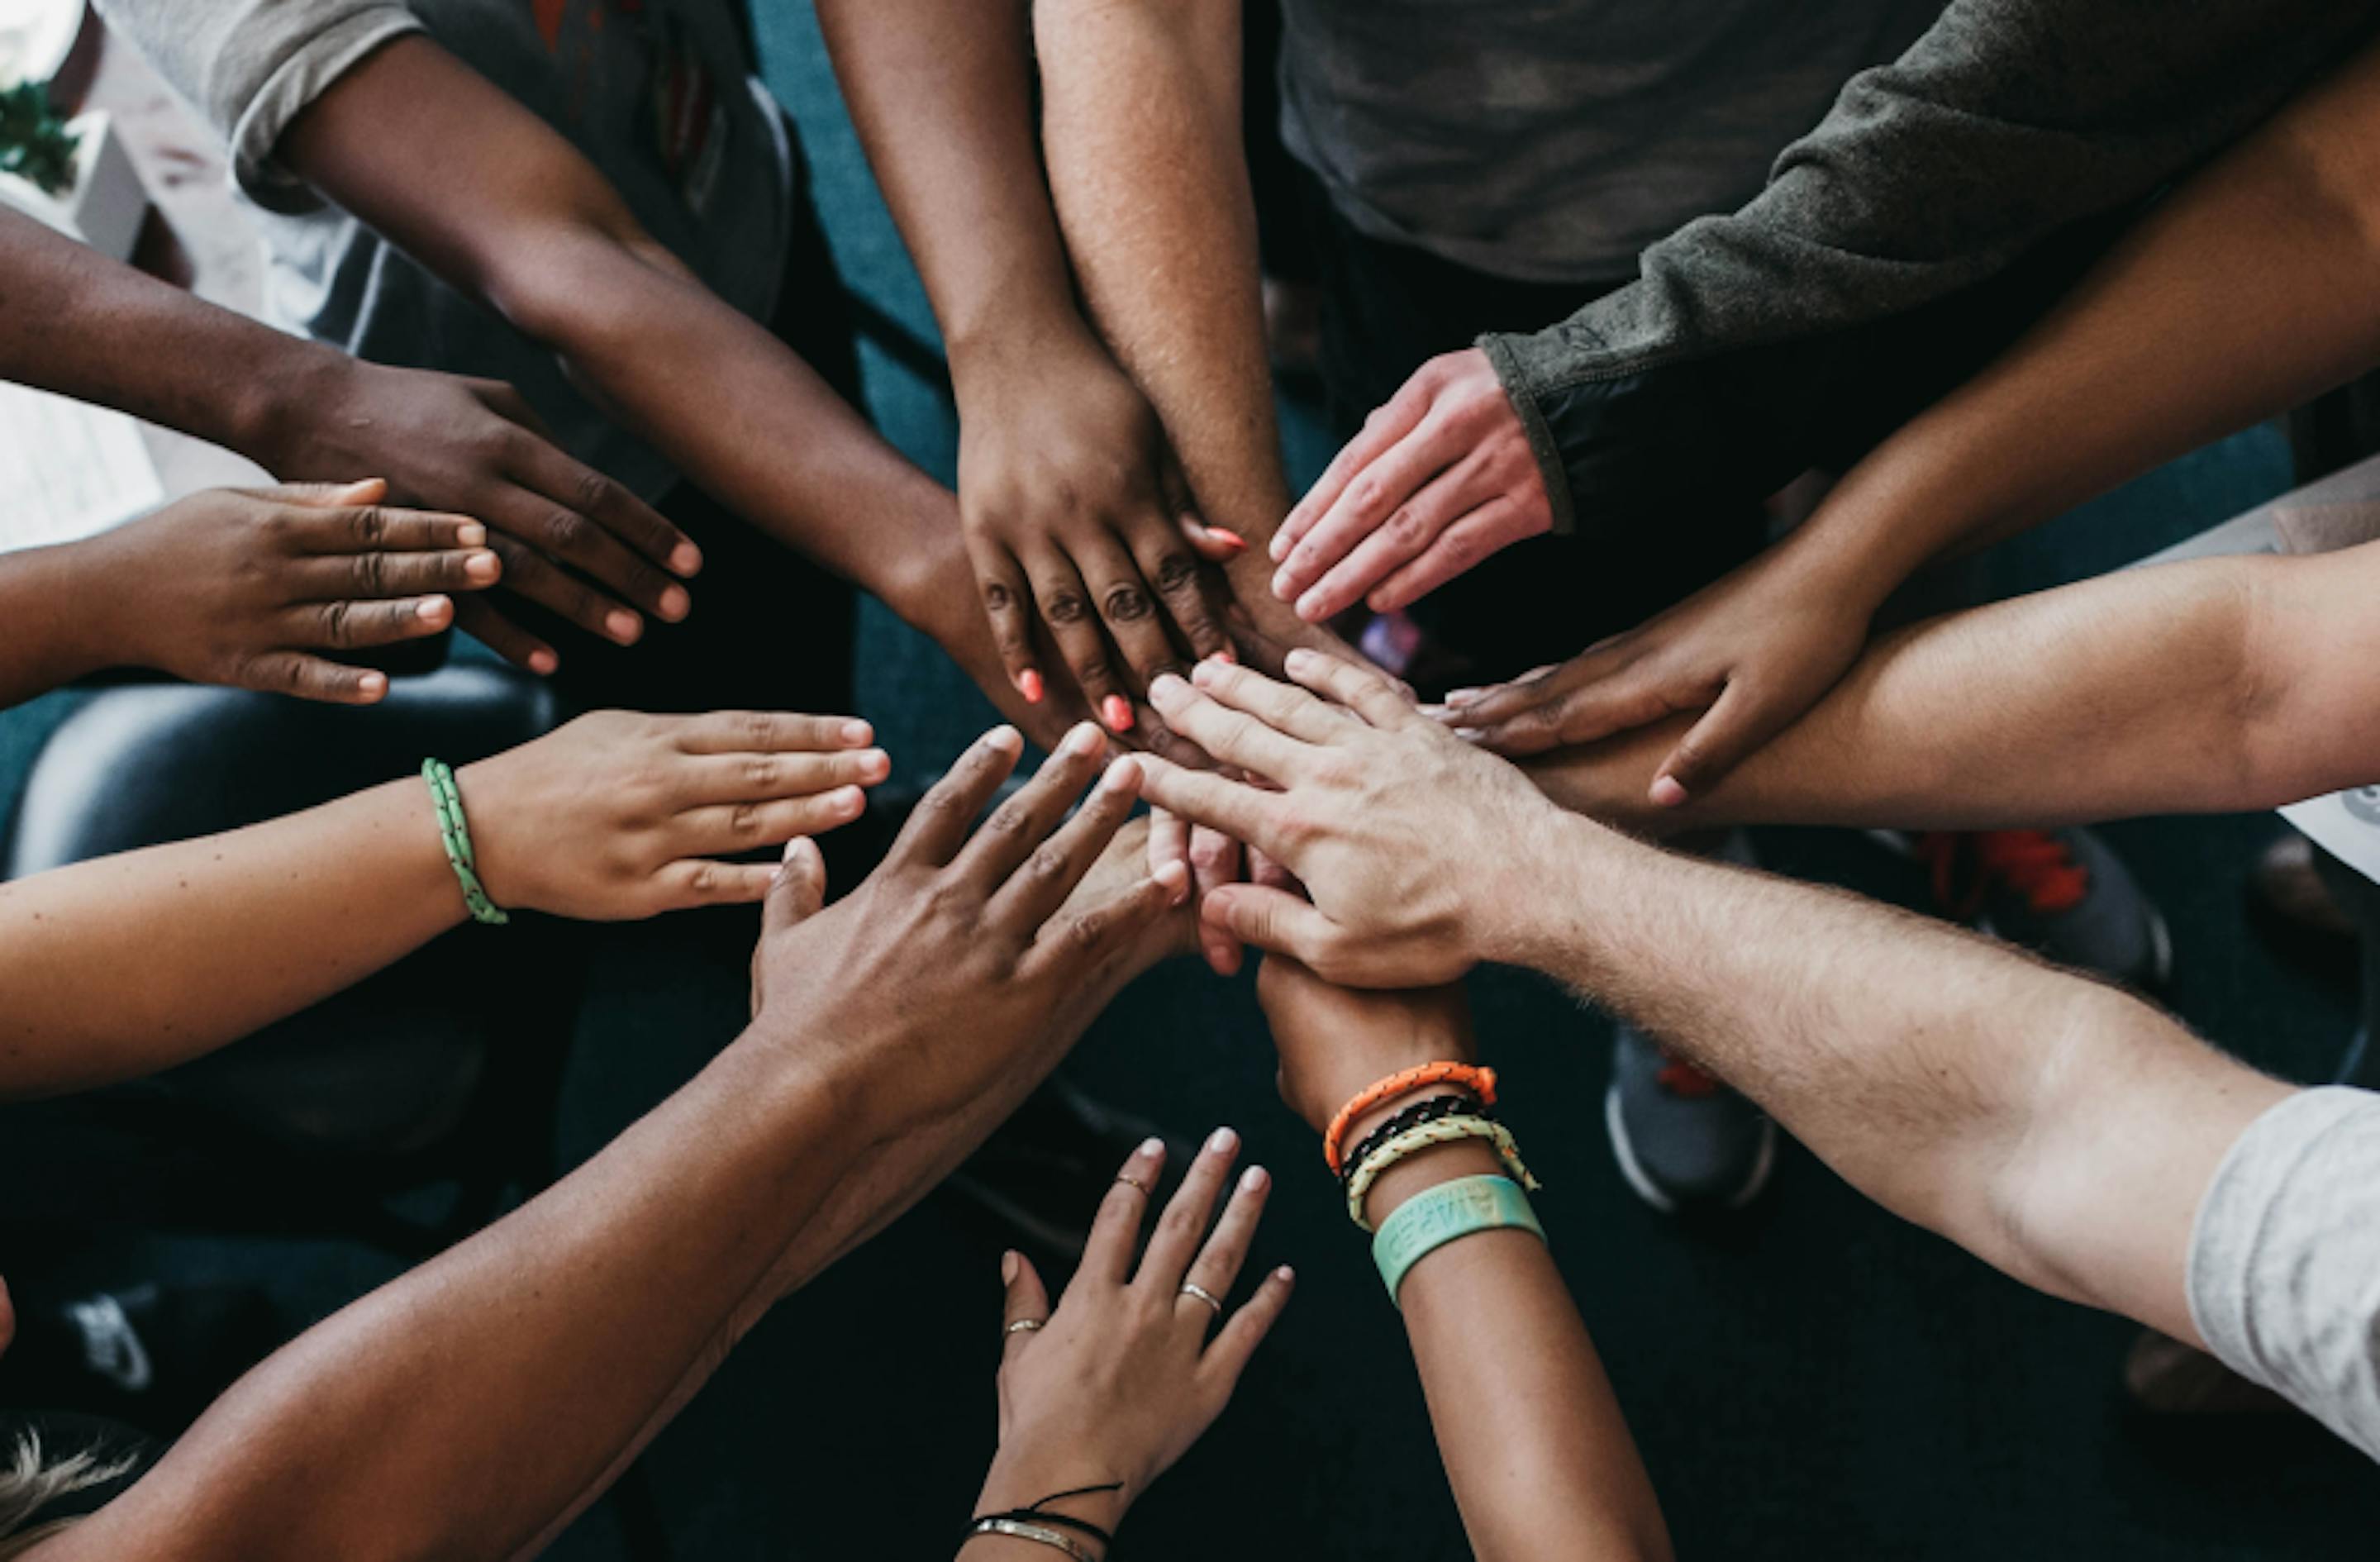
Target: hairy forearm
x,y
2244,294
123,965
1168,266
2057,1128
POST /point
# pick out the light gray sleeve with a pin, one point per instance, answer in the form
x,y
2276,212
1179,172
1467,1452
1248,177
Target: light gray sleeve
x,y
250,66
2285,1259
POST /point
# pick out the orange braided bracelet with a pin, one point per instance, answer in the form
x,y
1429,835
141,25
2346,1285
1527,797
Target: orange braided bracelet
x,y
1404,1082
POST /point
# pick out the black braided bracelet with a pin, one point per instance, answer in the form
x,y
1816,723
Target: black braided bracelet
x,y
1429,1110
1038,1514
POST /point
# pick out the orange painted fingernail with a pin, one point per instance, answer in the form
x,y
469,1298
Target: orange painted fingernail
x,y
1116,711
1232,540
1028,683
1226,656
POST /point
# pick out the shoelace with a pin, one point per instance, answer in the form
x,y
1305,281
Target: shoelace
x,y
2035,863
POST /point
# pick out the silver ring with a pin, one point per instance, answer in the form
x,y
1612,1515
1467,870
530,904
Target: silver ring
x,y
1192,1287
1024,1326
1131,1181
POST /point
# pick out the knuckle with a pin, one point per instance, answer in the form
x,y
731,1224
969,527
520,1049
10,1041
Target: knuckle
x,y
369,527
1009,819
1126,605
564,530
997,597
338,623
1367,491
589,489
762,773
745,821
371,573
1065,607
1407,527
758,728
704,880
1175,571
1046,863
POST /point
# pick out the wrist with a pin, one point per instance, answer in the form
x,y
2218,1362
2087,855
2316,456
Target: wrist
x,y
1015,329
1426,1169
1019,1478
272,414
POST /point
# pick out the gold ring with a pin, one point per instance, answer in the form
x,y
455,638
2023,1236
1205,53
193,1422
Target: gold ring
x,y
1024,1326
1192,1287
1131,1181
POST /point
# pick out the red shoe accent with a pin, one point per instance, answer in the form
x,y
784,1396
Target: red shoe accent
x,y
1681,1078
2035,863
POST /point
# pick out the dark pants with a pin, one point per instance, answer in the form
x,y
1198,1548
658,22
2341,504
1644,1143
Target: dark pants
x,y
1388,309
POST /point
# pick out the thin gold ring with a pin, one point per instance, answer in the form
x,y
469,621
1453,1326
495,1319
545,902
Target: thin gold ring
x,y
1024,1326
1192,1287
1131,1181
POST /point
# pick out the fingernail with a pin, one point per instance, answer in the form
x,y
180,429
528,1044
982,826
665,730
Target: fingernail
x,y
1463,695
846,799
1227,656
543,661
674,602
1008,1267
1168,690
1300,661
481,566
471,535
1278,547
1121,777
874,765
1236,542
372,684
1003,736
430,609
1150,1148
1281,582
1081,739
623,625
1309,608
1471,734
1667,792
1285,1274
856,731
1116,711
1028,683
1222,1141
684,559
1252,1180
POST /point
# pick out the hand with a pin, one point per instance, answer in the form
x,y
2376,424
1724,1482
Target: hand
x,y
571,539
254,589
619,815
1073,504
1758,648
965,945
1121,1379
1416,848
1336,1041
1436,480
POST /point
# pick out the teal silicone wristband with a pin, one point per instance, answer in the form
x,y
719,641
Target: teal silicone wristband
x,y
448,800
1436,1216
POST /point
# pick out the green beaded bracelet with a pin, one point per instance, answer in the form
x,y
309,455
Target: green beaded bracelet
x,y
448,801
1436,1216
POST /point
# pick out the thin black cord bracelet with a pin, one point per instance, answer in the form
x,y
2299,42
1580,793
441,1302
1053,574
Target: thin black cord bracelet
x,y
1036,1513
1413,1117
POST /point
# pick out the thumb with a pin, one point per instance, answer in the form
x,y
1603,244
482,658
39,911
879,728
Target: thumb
x,y
1736,725
799,891
331,495
1023,1299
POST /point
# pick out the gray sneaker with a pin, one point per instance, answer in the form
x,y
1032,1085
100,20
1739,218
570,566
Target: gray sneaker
x,y
2062,894
1685,1142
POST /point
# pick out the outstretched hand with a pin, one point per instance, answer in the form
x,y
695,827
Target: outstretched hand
x,y
1412,843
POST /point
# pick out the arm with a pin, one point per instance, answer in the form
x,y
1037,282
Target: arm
x,y
2056,1127
611,817
79,325
462,1410
1071,501
489,197
2213,685
2238,298
1539,1455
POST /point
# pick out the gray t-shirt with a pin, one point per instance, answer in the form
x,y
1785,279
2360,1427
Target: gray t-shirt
x,y
2285,1259
659,96
1551,140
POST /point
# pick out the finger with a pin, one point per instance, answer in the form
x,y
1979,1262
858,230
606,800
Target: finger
x,y
530,574
768,732
1367,691
1007,608
620,522
1169,843
1044,882
726,828
1175,1242
1230,734
311,678
1212,543
381,574
1387,485
1018,826
1074,623
475,616
365,528
1263,870
747,778
1504,700
1407,531
1023,1299
1474,537
1635,695
1276,921
1217,1267
1190,594
1215,861
1107,1252
685,884
938,824
1737,724
500,397
1280,706
1202,797
1231,1349
1129,608
797,892
324,496
1381,431
1080,948
348,626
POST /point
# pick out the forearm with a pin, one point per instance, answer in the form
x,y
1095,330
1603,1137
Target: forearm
x,y
1169,266
51,602
2054,1127
455,1412
226,934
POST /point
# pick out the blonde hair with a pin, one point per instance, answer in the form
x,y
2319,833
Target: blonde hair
x,y
28,1485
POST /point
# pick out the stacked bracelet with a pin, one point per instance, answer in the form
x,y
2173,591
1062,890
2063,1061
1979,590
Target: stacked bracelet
x,y
1436,1216
1446,1130
1427,1110
456,832
1481,1082
1019,1528
1032,1523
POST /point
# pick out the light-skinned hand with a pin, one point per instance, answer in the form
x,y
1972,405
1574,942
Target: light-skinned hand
x,y
1414,846
1129,1369
261,588
619,815
1437,480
